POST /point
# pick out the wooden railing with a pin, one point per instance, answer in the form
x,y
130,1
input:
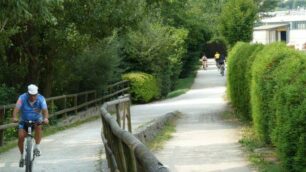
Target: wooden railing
x,y
124,152
66,105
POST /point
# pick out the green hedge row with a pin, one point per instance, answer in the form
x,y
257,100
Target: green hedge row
x,y
275,79
240,61
143,87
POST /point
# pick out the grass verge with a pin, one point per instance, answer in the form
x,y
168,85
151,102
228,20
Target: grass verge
x,y
182,86
49,130
262,157
164,135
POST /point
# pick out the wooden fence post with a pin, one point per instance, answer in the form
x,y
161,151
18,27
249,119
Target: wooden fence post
x,y
52,107
86,99
118,115
95,97
129,116
76,104
2,113
106,131
124,106
130,159
65,104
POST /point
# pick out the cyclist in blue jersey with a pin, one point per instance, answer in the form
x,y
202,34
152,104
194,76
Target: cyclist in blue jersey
x,y
32,106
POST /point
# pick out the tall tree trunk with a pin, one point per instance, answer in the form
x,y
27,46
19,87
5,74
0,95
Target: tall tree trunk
x,y
33,69
48,77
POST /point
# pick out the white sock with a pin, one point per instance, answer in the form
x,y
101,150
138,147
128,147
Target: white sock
x,y
21,156
36,146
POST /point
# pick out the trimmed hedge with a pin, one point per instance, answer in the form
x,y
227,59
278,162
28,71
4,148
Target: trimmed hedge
x,y
239,77
276,83
263,88
144,87
289,101
278,102
230,68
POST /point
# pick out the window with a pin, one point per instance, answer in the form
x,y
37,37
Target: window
x,y
298,25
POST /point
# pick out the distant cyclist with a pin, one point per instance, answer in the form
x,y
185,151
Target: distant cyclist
x,y
217,57
204,62
33,107
221,64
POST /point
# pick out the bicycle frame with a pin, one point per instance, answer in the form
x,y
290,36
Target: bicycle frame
x,y
222,69
29,156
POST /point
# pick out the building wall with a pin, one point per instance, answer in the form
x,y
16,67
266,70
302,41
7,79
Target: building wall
x,y
260,36
297,38
272,36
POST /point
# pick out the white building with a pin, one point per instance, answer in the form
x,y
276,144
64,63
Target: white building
x,y
287,26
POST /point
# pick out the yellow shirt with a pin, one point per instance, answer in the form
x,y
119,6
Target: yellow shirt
x,y
217,56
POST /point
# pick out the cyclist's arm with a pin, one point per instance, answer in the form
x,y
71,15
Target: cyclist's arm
x,y
15,114
44,111
16,109
46,115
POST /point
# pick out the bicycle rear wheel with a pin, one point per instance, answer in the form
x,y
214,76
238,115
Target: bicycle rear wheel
x,y
29,155
222,70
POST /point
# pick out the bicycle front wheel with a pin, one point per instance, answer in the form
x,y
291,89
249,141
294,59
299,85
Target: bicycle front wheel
x,y
28,157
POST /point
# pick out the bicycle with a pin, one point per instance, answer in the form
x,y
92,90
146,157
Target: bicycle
x,y
204,65
30,154
222,69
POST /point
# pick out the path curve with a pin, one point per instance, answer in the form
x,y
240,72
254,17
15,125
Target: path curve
x,y
203,141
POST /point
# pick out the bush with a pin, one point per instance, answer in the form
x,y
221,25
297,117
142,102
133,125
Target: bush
x,y
277,81
239,64
8,95
263,88
156,50
289,102
144,86
230,67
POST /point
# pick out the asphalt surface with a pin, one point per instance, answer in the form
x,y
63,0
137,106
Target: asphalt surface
x,y
203,140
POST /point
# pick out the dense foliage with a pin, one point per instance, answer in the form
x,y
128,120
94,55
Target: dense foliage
x,y
240,61
277,97
144,86
289,134
263,88
158,51
237,20
71,46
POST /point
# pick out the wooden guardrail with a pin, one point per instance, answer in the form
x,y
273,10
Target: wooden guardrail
x,y
124,152
66,105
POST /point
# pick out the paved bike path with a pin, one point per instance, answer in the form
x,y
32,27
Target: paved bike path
x,y
203,142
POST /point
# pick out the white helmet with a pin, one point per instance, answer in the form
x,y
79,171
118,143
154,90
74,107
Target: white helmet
x,y
32,89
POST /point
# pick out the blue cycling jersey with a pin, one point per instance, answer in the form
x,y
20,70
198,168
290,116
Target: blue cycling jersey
x,y
31,111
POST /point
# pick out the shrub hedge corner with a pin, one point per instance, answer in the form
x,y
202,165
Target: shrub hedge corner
x,y
239,64
144,87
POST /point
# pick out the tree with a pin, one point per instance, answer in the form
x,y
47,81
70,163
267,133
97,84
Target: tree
x,y
267,5
237,20
156,50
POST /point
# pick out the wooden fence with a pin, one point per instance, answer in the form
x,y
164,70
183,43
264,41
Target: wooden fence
x,y
124,152
66,105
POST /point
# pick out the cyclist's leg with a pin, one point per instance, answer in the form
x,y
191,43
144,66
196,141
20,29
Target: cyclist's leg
x,y
21,135
38,134
38,129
